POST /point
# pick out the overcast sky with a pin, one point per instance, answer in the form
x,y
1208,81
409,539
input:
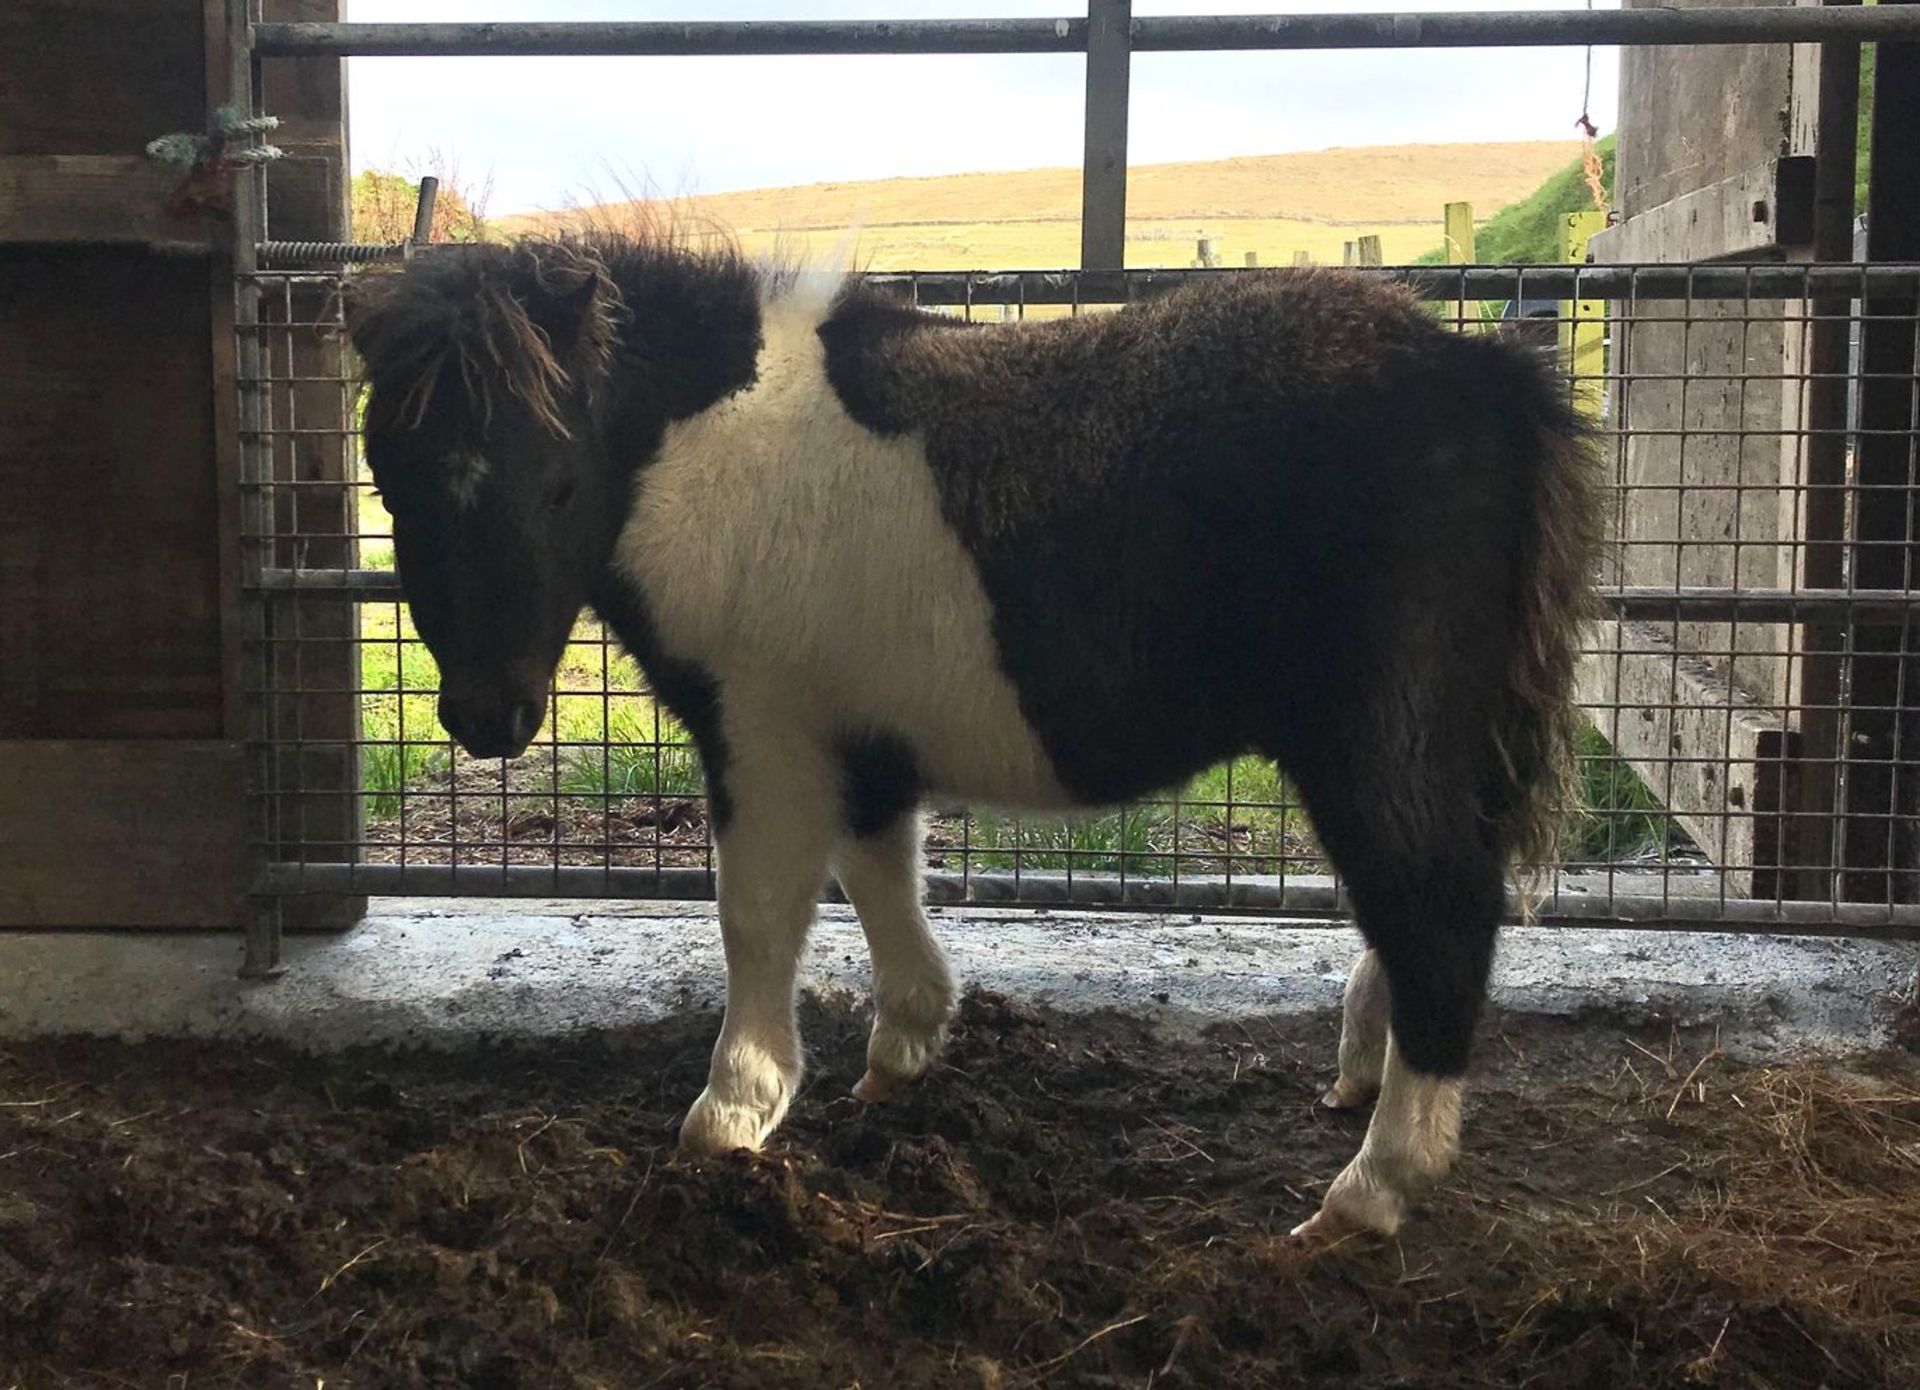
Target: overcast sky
x,y
550,131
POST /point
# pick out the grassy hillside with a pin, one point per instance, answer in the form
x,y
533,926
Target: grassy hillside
x,y
1273,206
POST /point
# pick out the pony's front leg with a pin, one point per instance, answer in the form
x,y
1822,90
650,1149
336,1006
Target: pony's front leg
x,y
773,853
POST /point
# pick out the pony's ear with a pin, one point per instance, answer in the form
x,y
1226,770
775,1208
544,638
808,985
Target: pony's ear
x,y
571,314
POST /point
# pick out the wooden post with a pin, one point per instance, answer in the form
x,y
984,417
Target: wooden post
x,y
1366,251
1459,224
1459,251
1302,258
1253,260
1583,322
1204,255
1103,174
1347,255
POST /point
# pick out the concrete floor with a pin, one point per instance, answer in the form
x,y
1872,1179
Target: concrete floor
x,y
446,971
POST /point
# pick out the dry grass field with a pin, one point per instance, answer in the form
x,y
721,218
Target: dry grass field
x,y
1272,205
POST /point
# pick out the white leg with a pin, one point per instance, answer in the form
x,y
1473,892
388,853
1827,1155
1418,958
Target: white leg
x,y
772,862
1410,1144
1363,1035
912,987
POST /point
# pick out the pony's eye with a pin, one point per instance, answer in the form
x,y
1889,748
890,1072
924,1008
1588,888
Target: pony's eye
x,y
561,495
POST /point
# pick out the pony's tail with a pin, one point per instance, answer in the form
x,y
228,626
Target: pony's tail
x,y
1558,516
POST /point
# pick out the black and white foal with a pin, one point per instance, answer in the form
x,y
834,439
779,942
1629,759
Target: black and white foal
x,y
868,555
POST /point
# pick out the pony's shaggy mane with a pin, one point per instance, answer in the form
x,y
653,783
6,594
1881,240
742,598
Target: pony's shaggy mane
x,y
539,318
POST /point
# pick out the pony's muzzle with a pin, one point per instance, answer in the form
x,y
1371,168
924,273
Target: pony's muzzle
x,y
489,724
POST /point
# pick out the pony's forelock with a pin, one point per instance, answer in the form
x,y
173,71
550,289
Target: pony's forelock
x,y
530,322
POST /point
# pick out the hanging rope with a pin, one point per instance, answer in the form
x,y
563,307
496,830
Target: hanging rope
x,y
211,159
1590,163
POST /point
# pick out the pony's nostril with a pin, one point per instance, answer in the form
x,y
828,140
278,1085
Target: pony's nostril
x,y
525,721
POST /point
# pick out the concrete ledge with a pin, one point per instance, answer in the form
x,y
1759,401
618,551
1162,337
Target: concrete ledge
x,y
446,972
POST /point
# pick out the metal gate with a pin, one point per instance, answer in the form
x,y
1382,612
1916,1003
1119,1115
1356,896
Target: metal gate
x,y
1752,723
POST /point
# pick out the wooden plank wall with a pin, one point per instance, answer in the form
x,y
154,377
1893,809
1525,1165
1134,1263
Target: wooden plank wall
x,y
123,796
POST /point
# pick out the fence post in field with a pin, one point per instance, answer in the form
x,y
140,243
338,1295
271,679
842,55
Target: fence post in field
x,y
1253,260
1303,258
1583,322
1347,256
1459,251
1366,251
1205,256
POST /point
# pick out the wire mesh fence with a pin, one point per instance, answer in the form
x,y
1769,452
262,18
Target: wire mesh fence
x,y
1751,744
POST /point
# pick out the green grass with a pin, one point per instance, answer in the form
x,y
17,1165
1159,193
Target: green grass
x,y
1142,839
404,740
1095,844
1619,816
646,754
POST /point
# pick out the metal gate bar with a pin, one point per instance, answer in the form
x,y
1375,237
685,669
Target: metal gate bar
x,y
1149,33
1670,891
1212,862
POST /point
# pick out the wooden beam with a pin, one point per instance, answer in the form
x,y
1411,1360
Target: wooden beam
x,y
96,200
1765,209
1103,187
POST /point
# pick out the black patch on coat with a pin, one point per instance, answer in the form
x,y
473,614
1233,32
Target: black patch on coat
x,y
856,336
690,692
879,781
1286,514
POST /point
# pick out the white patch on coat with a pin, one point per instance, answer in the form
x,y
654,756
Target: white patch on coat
x,y
465,472
803,561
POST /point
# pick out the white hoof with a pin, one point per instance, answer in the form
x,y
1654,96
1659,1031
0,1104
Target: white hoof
x,y
1345,1215
908,1035
717,1126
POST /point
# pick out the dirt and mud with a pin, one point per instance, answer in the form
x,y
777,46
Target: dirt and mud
x,y
1069,1200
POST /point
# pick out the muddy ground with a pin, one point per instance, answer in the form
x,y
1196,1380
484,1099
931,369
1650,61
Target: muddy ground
x,y
1070,1201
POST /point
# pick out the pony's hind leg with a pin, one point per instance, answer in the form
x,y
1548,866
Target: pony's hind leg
x,y
1428,891
1363,1035
913,993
